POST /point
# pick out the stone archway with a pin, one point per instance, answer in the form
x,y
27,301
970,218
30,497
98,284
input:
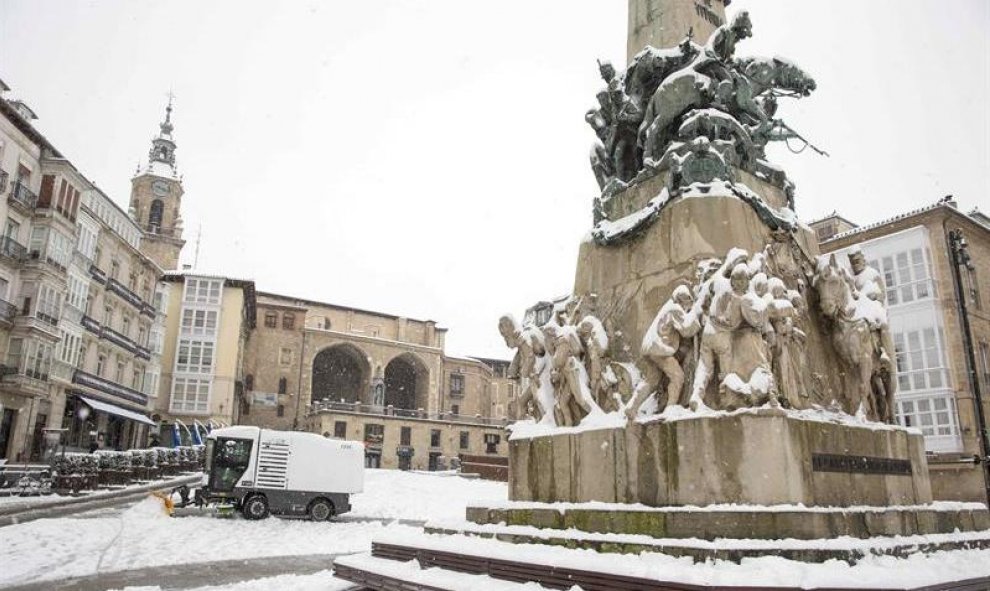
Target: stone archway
x,y
341,373
407,383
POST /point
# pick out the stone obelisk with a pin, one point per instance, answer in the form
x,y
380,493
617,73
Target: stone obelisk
x,y
665,23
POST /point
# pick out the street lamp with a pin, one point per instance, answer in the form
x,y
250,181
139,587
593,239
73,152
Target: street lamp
x,y
961,258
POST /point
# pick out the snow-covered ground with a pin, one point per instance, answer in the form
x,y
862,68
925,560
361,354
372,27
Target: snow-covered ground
x,y
143,535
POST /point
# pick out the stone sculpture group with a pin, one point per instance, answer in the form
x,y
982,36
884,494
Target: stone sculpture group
x,y
733,339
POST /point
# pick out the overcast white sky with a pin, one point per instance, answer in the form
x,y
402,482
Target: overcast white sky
x,y
429,159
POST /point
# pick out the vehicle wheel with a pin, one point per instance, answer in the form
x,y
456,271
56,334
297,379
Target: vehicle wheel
x,y
320,510
255,507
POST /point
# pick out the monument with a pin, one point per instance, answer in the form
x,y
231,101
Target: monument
x,y
708,356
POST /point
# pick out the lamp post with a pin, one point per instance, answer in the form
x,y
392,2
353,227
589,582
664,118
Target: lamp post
x,y
961,258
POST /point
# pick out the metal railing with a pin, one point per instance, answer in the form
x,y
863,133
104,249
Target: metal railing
x,y
12,249
7,310
22,196
402,413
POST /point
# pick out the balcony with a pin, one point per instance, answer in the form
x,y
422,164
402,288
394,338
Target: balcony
x,y
27,375
22,197
7,311
125,294
42,256
147,310
92,325
12,249
107,387
97,274
401,413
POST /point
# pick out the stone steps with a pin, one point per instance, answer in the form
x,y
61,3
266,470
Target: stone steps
x,y
735,550
742,522
413,565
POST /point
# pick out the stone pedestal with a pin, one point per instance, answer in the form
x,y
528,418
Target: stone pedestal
x,y
755,457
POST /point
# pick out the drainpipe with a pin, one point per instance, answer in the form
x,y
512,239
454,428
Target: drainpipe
x,y
960,256
302,357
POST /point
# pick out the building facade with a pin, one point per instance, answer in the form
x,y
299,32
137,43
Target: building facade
x,y
209,319
77,313
934,388
374,377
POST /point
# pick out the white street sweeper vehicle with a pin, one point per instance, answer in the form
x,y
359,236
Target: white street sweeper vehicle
x,y
289,473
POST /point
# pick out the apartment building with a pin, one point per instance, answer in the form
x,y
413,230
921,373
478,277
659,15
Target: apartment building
x,y
79,360
208,320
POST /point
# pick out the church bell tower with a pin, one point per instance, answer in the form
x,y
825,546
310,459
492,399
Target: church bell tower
x,y
156,195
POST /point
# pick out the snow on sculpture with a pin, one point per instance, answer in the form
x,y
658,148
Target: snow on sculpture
x,y
527,367
695,111
774,325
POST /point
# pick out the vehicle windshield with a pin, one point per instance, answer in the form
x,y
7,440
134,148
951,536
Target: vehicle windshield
x,y
230,460
210,444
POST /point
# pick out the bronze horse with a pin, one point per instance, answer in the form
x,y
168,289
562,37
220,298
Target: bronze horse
x,y
857,344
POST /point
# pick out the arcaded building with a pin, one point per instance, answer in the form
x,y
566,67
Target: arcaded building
x,y
374,377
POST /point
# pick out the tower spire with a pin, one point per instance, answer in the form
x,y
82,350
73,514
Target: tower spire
x,y
161,156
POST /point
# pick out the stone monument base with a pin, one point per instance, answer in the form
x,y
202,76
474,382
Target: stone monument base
x,y
758,456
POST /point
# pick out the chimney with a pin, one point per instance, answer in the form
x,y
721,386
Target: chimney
x,y
23,110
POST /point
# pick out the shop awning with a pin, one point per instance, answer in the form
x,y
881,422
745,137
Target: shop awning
x,y
116,410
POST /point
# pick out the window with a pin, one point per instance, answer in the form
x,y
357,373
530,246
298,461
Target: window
x,y
49,304
202,291
455,409
155,215
86,241
920,363
283,385
456,384
434,437
38,359
12,230
119,376
249,382
194,356
78,292
108,315
340,429
101,362
271,320
125,325
199,322
374,434
137,378
190,395
906,276
972,287
933,415
405,435
280,410
465,439
285,356
68,348
114,269
491,443
288,321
